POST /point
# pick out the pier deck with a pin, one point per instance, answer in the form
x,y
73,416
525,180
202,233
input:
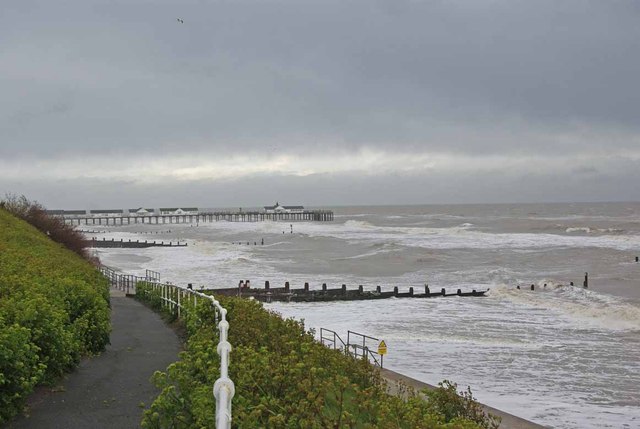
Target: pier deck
x,y
240,216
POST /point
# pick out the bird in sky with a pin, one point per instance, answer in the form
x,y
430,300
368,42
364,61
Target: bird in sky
x,y
180,21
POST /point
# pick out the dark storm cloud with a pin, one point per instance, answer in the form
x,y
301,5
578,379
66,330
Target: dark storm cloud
x,y
124,79
456,75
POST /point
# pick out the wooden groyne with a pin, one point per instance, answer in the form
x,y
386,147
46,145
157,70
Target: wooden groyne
x,y
240,216
305,294
104,243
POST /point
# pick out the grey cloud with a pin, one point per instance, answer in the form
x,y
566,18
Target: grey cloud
x,y
309,77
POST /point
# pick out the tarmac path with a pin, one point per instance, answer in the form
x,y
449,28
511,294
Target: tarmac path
x,y
109,390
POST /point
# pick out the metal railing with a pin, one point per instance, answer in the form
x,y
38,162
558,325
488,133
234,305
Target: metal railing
x,y
359,349
178,299
363,350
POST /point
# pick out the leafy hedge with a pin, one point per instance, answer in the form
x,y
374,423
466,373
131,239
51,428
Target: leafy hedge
x,y
54,308
285,379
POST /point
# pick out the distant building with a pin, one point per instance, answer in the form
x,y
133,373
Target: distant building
x,y
278,208
141,211
178,210
67,212
75,212
112,212
55,212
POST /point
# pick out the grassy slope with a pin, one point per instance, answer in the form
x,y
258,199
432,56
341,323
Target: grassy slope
x,y
54,308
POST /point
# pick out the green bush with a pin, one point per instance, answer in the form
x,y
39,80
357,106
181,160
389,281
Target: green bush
x,y
284,379
54,308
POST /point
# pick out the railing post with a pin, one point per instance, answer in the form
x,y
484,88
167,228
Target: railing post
x,y
178,299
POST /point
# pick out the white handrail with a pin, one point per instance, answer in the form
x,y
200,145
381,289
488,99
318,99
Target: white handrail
x,y
223,388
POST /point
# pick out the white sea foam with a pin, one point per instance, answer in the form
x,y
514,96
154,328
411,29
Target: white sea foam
x,y
594,309
578,229
463,237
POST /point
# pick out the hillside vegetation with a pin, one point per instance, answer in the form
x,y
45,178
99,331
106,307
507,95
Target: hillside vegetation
x,y
285,379
54,308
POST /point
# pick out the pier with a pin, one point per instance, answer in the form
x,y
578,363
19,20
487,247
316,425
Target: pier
x,y
239,216
305,294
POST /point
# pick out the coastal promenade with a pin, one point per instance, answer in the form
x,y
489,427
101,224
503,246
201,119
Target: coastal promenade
x,y
112,389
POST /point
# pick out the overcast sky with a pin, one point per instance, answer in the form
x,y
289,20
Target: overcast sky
x,y
118,104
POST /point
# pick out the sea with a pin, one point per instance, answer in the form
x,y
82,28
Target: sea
x,y
562,356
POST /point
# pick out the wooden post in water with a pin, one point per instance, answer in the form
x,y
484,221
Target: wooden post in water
x,y
585,284
411,291
533,287
286,286
306,286
395,291
443,292
378,289
459,292
426,290
344,289
266,285
360,289
324,287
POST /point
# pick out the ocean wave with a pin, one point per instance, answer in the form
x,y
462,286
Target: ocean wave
x,y
378,249
590,230
591,308
466,237
360,224
466,225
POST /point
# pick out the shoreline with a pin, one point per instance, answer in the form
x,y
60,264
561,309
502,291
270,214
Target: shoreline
x,y
509,421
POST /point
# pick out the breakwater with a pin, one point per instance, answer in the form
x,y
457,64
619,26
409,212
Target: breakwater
x,y
305,294
138,244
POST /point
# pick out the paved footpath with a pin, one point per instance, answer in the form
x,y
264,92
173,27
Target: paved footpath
x,y
106,391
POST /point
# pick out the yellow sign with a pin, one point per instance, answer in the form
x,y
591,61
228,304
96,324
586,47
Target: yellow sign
x,y
382,348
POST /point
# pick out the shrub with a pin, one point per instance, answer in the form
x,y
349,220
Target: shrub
x,y
35,214
20,367
283,379
54,308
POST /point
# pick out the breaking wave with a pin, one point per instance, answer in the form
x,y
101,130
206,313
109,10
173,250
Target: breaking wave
x,y
593,309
